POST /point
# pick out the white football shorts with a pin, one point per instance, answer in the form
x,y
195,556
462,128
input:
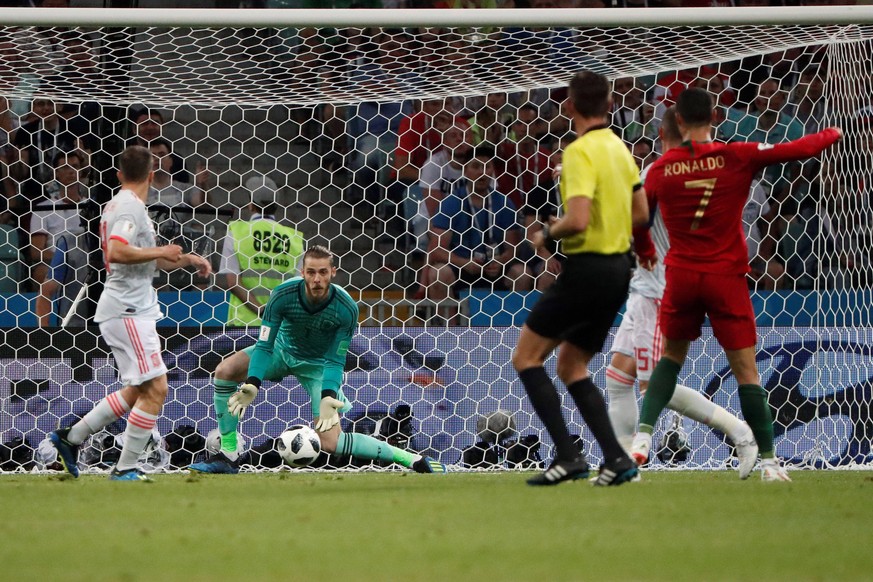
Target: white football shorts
x,y
639,335
136,347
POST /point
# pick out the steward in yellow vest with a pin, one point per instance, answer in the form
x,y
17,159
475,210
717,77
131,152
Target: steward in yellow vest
x,y
258,254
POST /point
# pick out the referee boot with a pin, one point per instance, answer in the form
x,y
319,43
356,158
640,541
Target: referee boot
x,y
68,453
616,472
560,471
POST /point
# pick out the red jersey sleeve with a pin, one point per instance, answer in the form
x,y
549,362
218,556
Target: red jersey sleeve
x,y
758,155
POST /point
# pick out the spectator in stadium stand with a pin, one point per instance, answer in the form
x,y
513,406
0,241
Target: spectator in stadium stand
x,y
419,135
802,228
165,189
783,66
766,122
628,98
527,161
147,126
257,255
806,101
847,229
668,87
442,169
474,235
643,150
383,65
492,120
36,143
541,204
47,223
758,217
8,126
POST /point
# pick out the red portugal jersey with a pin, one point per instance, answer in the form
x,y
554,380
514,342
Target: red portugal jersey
x,y
701,189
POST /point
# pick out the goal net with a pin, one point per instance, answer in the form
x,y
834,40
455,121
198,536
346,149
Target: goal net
x,y
354,130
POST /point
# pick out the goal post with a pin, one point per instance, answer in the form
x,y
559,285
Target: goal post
x,y
310,105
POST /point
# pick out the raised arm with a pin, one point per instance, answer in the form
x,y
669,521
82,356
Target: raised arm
x,y
809,146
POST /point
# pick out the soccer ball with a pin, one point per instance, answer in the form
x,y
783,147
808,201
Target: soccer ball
x,y
298,446
213,443
496,426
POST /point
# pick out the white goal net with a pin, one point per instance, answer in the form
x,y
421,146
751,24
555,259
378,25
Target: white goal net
x,y
354,131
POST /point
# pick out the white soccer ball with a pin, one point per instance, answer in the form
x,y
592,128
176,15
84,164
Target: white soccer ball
x,y
298,446
213,442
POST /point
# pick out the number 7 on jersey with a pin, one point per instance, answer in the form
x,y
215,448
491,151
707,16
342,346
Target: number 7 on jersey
x,y
708,185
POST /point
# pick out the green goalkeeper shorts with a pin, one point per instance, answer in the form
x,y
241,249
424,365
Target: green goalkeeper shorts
x,y
307,373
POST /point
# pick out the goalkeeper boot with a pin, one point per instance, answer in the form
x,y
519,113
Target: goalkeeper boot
x,y
68,453
216,464
429,465
128,475
616,472
560,471
771,471
747,454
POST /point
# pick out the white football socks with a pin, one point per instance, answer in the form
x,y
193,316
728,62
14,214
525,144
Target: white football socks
x,y
105,413
136,437
696,406
624,414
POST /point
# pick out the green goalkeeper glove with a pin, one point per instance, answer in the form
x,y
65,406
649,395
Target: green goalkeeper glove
x,y
238,401
328,413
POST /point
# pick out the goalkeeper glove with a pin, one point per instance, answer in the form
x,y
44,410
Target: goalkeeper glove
x,y
328,413
238,401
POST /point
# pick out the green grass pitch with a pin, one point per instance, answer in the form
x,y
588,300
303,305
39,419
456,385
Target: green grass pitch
x,y
462,526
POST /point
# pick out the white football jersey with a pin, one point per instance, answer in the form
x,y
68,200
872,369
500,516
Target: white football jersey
x,y
128,291
651,283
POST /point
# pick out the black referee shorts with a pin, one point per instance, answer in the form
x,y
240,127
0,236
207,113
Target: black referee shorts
x,y
582,304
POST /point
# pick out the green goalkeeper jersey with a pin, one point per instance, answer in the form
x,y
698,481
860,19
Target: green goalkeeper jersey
x,y
318,334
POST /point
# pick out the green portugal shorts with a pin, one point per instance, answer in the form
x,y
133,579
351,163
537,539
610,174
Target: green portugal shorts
x,y
307,373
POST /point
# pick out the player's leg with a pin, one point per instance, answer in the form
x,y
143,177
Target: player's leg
x,y
357,445
617,466
147,375
115,405
228,374
733,325
681,316
659,392
528,359
623,410
756,410
620,378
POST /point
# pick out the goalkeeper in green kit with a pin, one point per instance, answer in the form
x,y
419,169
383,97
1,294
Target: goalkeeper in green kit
x,y
306,328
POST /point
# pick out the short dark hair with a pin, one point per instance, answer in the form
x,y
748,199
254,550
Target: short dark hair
x,y
695,106
162,141
483,151
138,112
65,156
589,93
135,163
318,252
669,126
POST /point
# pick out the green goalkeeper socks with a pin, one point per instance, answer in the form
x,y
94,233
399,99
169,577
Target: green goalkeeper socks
x,y
756,411
366,447
227,423
661,388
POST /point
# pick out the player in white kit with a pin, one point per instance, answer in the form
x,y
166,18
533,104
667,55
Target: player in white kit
x,y
127,312
638,343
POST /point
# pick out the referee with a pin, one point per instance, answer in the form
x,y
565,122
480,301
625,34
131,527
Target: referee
x,y
601,195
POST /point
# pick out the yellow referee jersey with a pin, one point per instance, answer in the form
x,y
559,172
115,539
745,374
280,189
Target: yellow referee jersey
x,y
599,166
